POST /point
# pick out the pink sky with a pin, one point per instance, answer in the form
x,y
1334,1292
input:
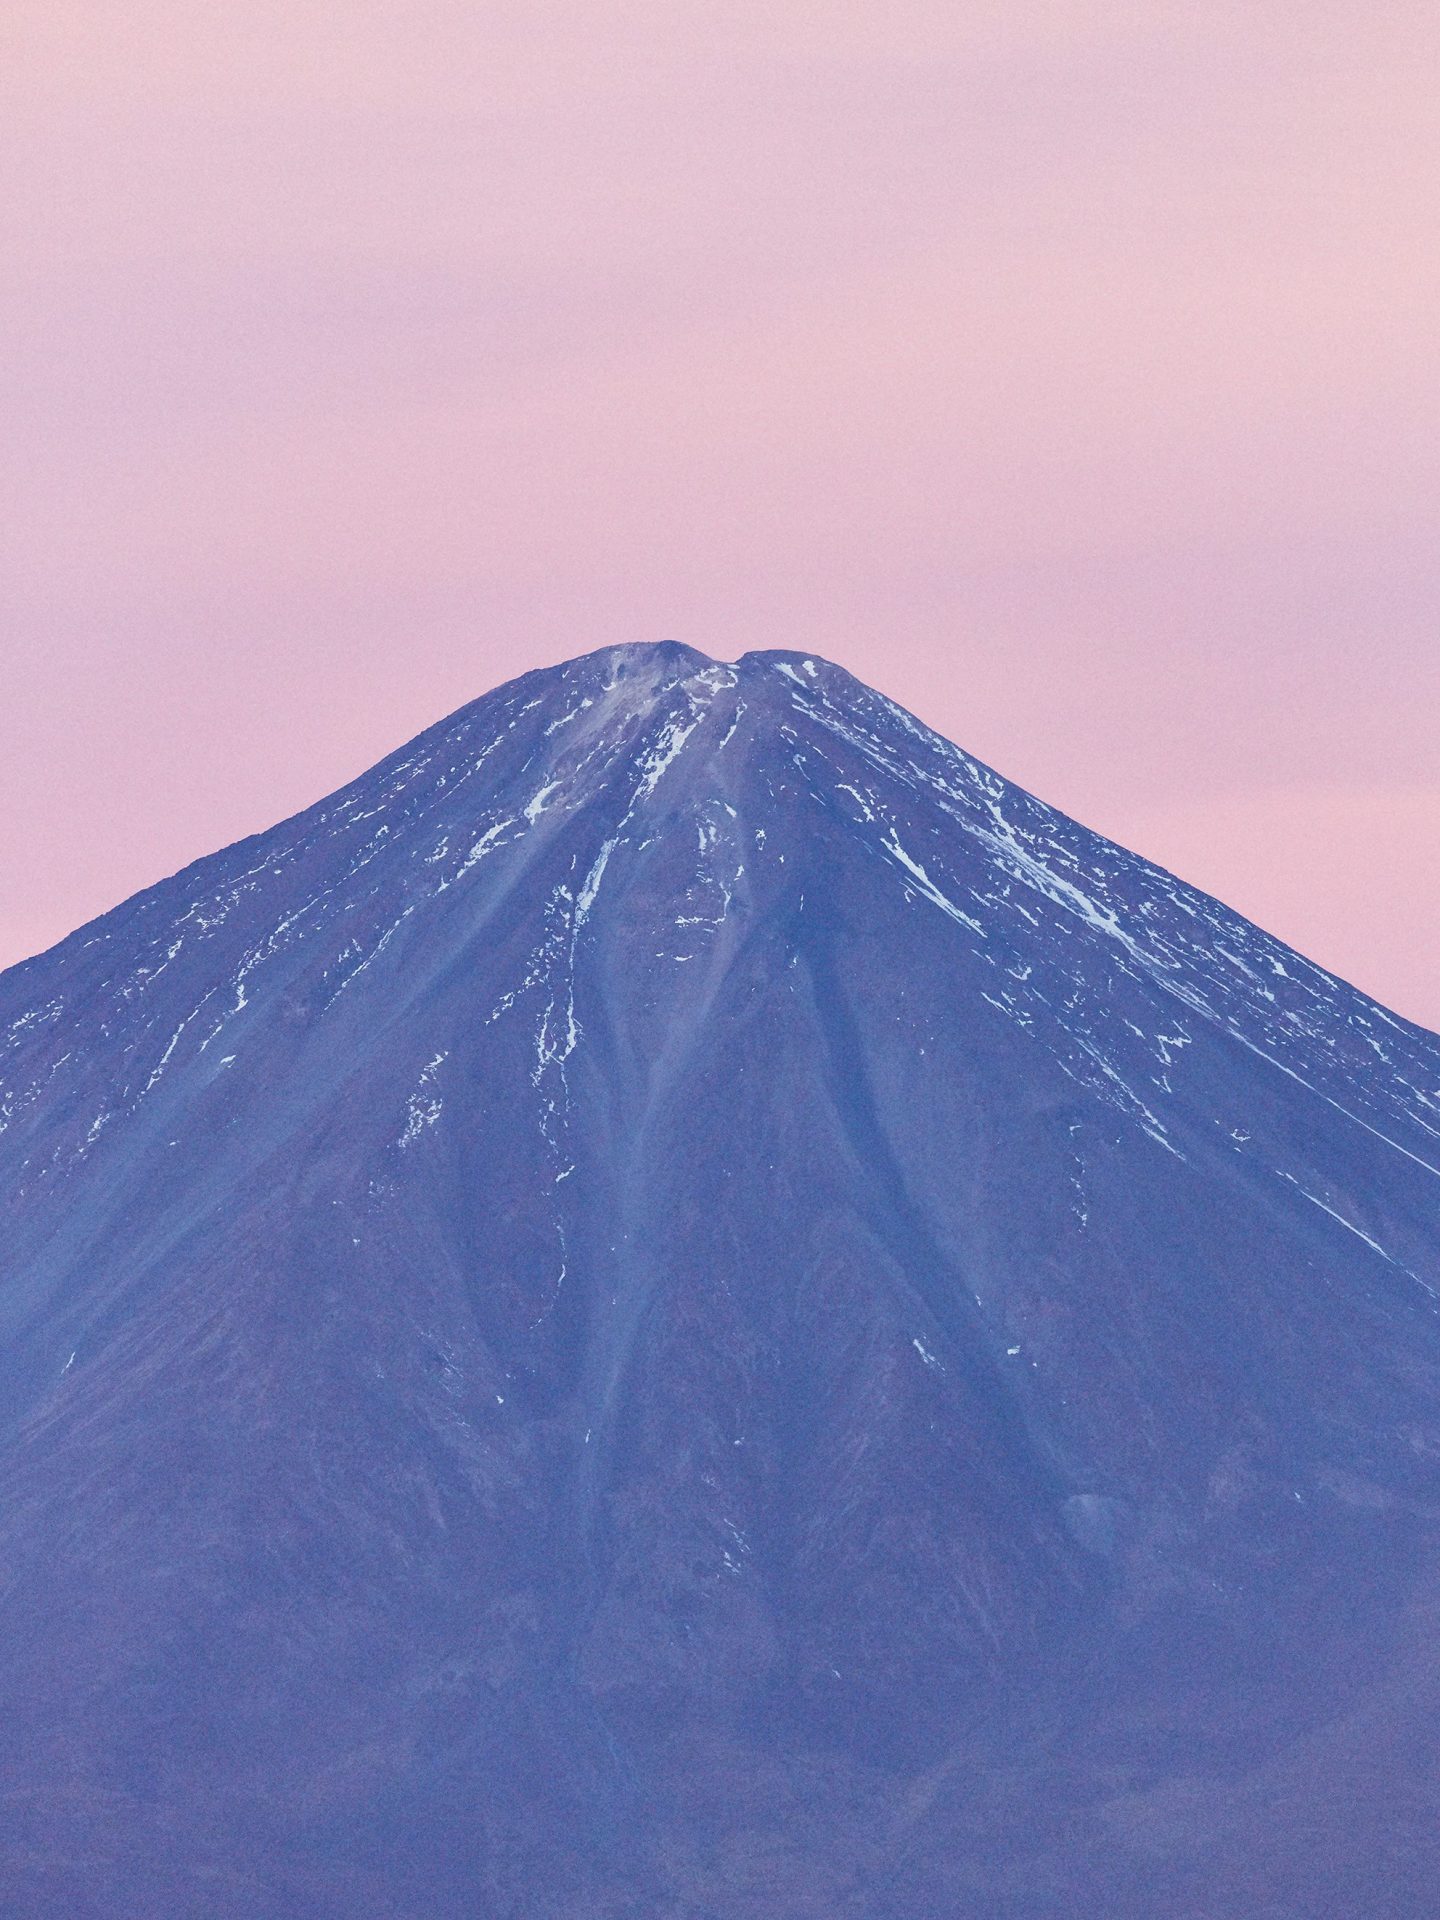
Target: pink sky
x,y
1067,370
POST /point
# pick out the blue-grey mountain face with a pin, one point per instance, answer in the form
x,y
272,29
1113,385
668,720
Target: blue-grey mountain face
x,y
683,1305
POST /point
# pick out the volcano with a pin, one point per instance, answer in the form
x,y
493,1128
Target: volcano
x,y
683,1305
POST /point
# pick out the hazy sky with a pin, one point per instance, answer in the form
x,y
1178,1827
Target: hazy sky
x,y
1068,370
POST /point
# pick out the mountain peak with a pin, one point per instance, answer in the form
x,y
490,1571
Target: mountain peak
x,y
682,1275
656,664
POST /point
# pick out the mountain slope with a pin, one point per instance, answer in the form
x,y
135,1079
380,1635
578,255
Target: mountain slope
x,y
680,1302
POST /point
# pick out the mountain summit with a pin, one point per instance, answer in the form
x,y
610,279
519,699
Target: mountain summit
x,y
682,1305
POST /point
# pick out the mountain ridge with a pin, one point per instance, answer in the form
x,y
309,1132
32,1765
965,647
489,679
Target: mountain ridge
x,y
678,1275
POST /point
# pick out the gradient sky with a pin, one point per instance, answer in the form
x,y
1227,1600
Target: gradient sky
x,y
1068,370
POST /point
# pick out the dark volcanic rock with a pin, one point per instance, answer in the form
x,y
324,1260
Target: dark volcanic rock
x,y
682,1305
